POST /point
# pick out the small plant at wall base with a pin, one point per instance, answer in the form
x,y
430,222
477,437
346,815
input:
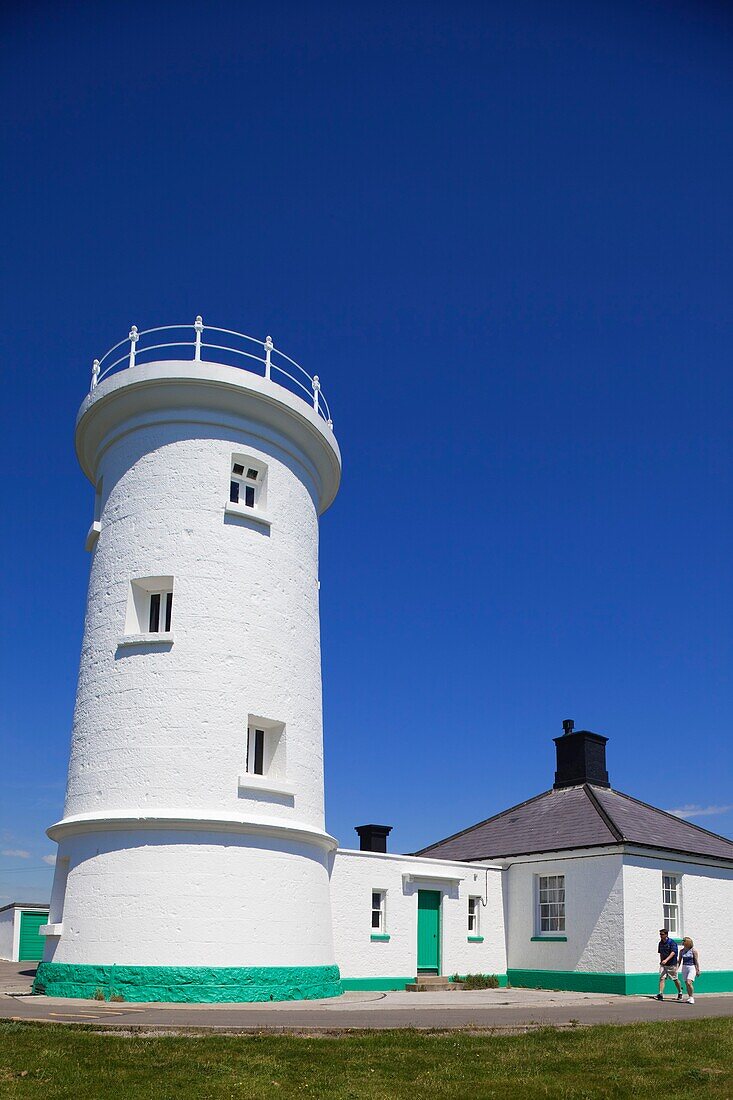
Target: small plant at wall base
x,y
477,981
98,994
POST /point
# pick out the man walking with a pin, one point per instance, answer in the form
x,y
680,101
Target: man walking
x,y
667,963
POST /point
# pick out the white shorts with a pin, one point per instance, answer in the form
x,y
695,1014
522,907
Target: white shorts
x,y
689,973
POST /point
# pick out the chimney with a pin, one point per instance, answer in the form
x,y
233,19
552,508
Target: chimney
x,y
581,758
373,838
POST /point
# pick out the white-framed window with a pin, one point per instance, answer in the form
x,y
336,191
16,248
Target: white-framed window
x,y
671,904
550,904
474,909
379,907
265,749
247,482
150,606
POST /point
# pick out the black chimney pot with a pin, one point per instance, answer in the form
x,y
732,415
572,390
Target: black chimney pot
x,y
581,758
373,838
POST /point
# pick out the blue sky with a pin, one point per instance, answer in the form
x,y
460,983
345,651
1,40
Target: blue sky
x,y
501,234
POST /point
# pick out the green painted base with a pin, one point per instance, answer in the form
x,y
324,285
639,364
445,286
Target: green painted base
x,y
712,981
189,983
381,984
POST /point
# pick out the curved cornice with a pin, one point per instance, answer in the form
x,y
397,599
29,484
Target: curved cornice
x,y
211,389
185,820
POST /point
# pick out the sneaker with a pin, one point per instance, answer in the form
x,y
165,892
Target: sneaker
x,y
690,1000
679,996
660,997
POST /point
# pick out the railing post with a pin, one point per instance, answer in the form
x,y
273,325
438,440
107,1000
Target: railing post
x,y
268,354
198,329
95,374
133,337
316,391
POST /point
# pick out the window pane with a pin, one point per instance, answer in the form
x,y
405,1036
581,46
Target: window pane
x,y
234,492
249,496
168,609
154,623
376,918
252,474
237,468
259,751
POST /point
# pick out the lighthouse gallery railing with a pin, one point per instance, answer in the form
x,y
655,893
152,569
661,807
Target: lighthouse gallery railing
x,y
272,363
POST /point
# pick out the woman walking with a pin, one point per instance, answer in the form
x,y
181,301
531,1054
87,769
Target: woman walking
x,y
690,965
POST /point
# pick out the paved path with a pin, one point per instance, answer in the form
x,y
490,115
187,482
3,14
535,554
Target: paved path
x,y
503,1009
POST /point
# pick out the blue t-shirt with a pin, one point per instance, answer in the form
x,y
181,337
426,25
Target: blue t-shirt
x,y
667,947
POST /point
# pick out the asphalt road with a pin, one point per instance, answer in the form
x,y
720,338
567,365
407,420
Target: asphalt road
x,y
501,1009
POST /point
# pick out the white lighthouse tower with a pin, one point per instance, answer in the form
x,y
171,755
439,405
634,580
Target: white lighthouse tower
x,y
193,861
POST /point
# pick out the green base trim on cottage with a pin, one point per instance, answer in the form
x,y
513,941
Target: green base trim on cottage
x,y
381,984
196,984
579,981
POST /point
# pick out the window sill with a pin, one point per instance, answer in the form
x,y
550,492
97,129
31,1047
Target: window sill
x,y
380,937
150,640
241,511
549,939
92,535
264,783
475,939
50,929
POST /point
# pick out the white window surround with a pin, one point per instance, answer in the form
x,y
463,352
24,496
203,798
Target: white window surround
x,y
265,756
379,912
265,783
149,602
671,903
549,905
51,930
247,496
474,917
96,524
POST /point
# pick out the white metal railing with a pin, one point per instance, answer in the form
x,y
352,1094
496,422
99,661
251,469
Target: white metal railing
x,y
272,364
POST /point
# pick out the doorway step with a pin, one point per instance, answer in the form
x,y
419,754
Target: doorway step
x,y
431,983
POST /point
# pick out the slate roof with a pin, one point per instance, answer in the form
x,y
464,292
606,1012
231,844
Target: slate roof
x,y
578,817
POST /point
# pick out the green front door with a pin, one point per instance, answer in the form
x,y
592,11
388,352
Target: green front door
x,y
428,931
31,944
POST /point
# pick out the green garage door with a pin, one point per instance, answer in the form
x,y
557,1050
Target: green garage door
x,y
31,944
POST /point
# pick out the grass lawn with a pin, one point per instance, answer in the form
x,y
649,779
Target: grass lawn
x,y
679,1059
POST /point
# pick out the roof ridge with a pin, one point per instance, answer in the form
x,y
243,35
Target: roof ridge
x,y
603,813
478,824
674,817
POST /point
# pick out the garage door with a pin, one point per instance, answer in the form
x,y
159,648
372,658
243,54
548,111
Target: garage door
x,y
31,944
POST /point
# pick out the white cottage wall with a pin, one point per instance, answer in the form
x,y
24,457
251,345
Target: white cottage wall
x,y
363,961
706,901
594,915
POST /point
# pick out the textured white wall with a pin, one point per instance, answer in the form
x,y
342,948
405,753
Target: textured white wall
x,y
594,915
181,898
353,877
6,934
706,903
168,727
162,731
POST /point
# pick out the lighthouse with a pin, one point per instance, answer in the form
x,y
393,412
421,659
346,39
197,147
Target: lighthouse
x,y
193,861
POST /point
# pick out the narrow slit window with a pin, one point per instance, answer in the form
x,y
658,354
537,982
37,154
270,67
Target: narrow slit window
x,y
255,751
150,606
154,618
473,916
